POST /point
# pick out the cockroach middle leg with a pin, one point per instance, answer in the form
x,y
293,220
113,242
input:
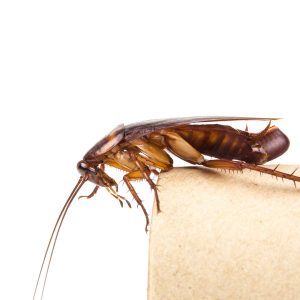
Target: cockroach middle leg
x,y
154,171
146,174
154,188
240,165
134,175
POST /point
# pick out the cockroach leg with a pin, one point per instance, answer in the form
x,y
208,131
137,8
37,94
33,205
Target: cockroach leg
x,y
114,195
294,171
240,165
181,148
146,174
92,194
116,164
133,176
154,157
154,171
154,188
118,196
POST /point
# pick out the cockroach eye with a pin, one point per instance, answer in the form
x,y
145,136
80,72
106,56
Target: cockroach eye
x,y
84,168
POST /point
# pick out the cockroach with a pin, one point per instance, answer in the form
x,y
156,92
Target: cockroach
x,y
141,149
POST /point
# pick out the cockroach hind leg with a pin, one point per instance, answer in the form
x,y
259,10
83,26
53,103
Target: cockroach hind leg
x,y
294,171
155,189
240,165
92,194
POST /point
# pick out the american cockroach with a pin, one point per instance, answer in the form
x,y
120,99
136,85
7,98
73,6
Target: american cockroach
x,y
141,149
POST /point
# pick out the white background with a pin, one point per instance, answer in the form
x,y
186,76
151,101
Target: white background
x,y
70,71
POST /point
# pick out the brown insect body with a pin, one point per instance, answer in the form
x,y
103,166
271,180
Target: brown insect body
x,y
139,149
225,142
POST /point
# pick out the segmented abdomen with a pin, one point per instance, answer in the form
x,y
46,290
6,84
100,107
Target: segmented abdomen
x,y
218,141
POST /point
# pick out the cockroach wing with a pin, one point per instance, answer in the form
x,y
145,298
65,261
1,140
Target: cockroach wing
x,y
106,143
137,130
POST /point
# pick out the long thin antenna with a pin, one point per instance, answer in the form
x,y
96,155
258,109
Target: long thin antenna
x,y
52,241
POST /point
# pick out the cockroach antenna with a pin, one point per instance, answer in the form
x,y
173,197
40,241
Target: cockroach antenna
x,y
53,238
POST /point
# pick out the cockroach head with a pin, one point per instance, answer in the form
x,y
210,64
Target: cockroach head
x,y
95,173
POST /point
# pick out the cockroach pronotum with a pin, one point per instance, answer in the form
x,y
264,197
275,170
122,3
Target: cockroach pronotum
x,y
140,149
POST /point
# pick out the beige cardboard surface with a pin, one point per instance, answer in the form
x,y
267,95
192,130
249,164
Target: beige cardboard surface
x,y
225,236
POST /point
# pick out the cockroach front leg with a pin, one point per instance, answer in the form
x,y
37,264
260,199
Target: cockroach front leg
x,y
92,194
135,175
240,165
117,196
